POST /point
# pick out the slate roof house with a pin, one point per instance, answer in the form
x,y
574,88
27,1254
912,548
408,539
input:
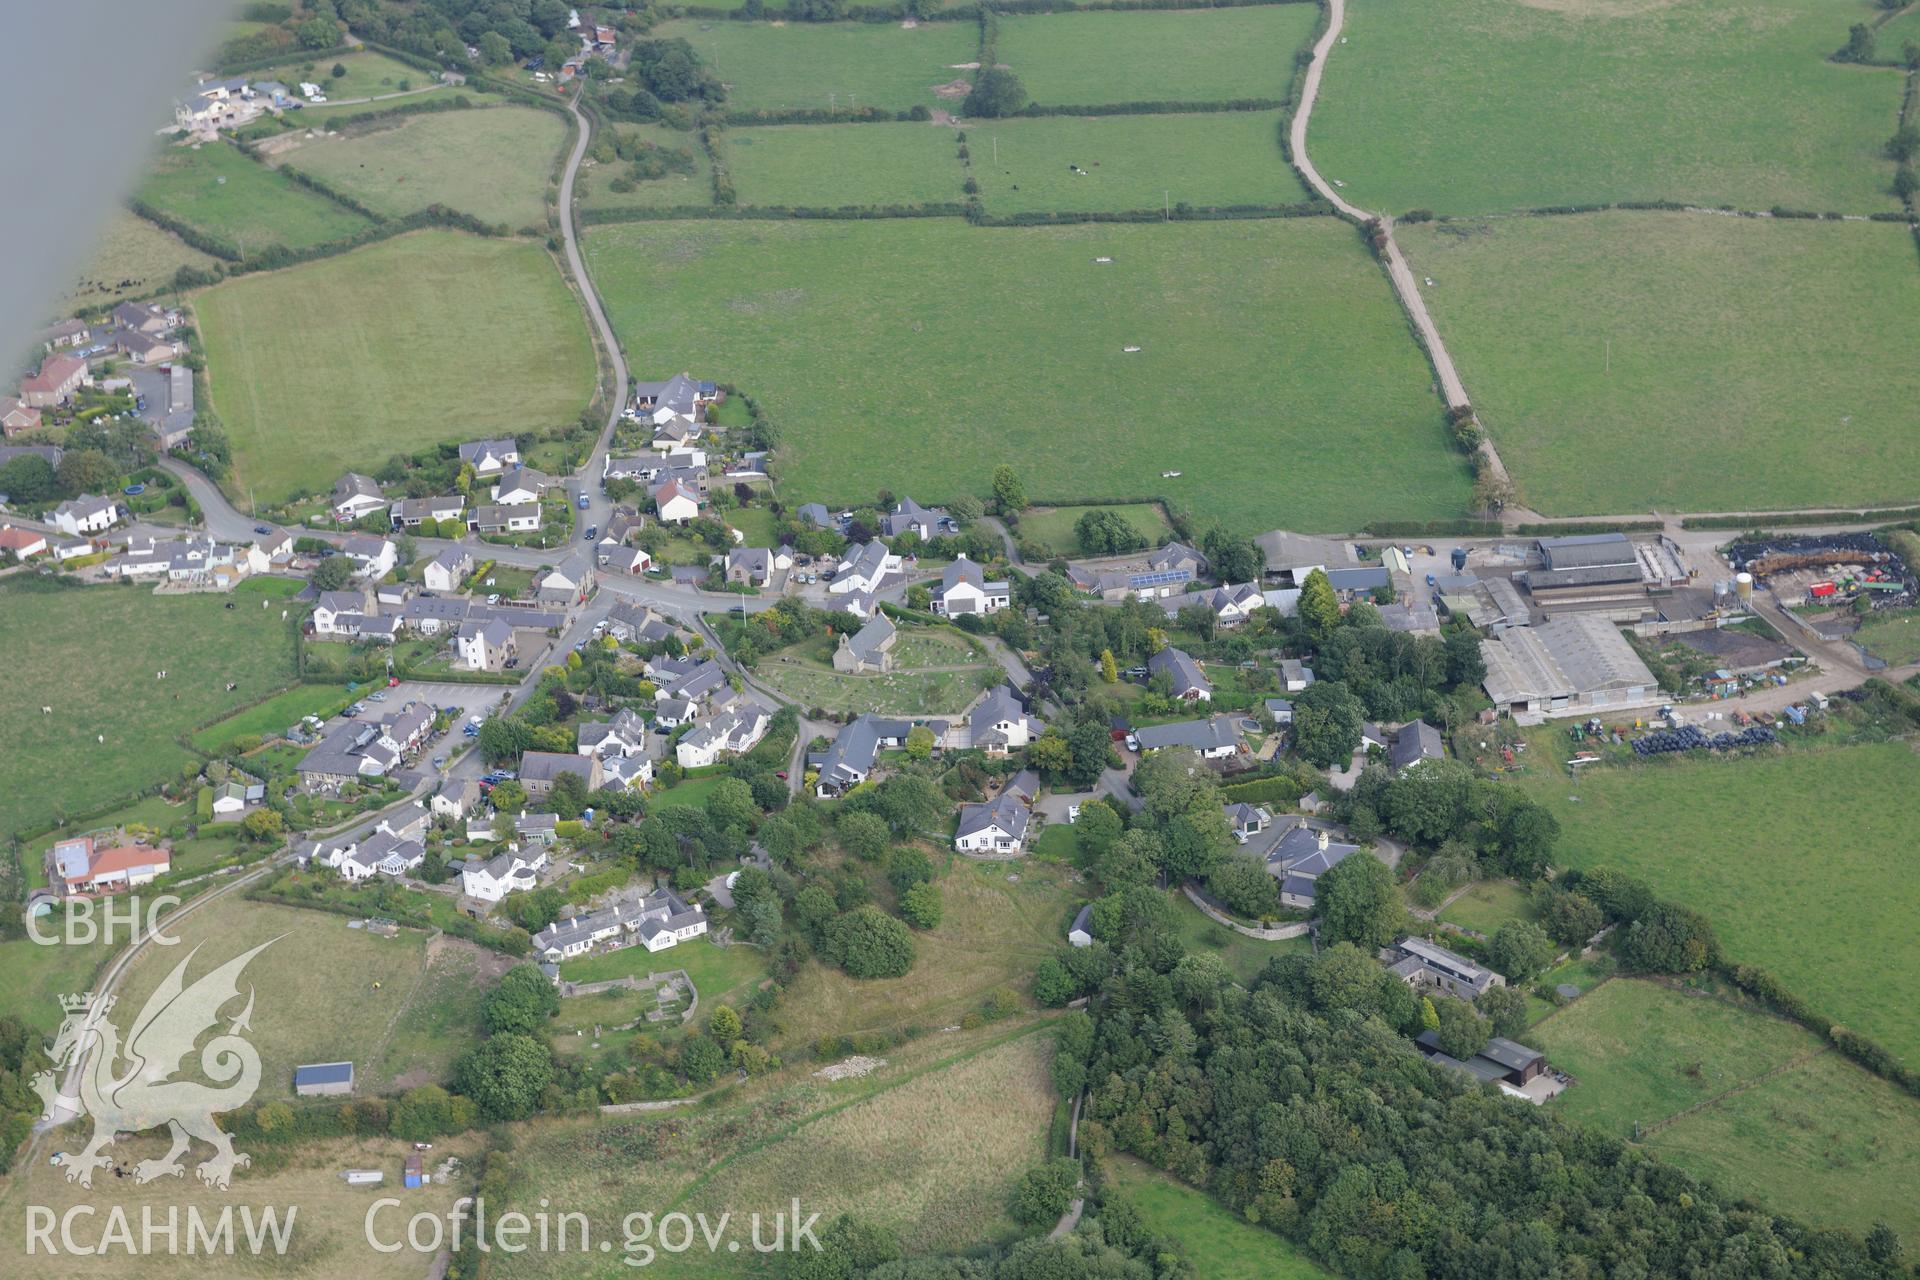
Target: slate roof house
x,y
1414,744
680,394
909,516
632,623
999,723
736,728
447,570
996,828
658,921
964,589
1190,683
511,871
1216,738
86,514
1418,962
864,567
1162,573
490,457
624,735
355,495
539,770
846,764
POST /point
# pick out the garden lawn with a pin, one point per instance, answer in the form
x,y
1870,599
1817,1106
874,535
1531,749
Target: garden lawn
x,y
1053,527
216,189
675,190
1801,859
427,337
871,342
493,163
721,975
811,66
829,166
1191,55
368,75
295,1018
691,793
992,933
133,250
1219,1243
1683,362
1131,162
1246,957
1476,106
1486,906
90,653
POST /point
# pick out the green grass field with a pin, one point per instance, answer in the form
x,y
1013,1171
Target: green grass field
x,y
427,337
1781,1117
91,654
296,1019
1892,635
1828,913
935,672
828,166
1131,162
1486,906
274,716
814,66
870,342
38,975
1198,55
675,190
131,249
493,164
1680,362
1220,1244
215,188
1052,527
1474,106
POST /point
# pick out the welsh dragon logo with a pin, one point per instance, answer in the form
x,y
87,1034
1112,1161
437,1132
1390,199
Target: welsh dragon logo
x,y
130,1088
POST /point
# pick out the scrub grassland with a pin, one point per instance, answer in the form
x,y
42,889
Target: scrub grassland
x,y
492,163
917,354
131,259
1477,106
1639,361
426,337
1827,911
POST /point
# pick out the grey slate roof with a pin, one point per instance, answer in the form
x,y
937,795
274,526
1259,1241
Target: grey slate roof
x,y
1195,735
1413,743
1006,812
1181,669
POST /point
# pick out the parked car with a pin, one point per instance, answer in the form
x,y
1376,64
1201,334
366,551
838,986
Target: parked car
x,y
494,598
585,501
263,530
439,762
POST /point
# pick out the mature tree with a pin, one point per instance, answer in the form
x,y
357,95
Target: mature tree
x,y
1668,939
1492,492
332,574
1103,531
1053,986
29,478
1359,903
864,835
1344,977
1232,559
1244,884
996,92
724,1024
1521,949
1463,1030
919,742
1859,46
1326,723
494,49
1465,663
317,33
1124,914
568,798
1050,754
701,1059
1506,1008
521,1001
1133,859
868,943
1097,827
920,905
1195,841
505,1076
731,806
1009,495
1427,804
86,471
1043,1193
264,825
813,908
1570,918
1092,749
1319,608
1525,833
911,804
